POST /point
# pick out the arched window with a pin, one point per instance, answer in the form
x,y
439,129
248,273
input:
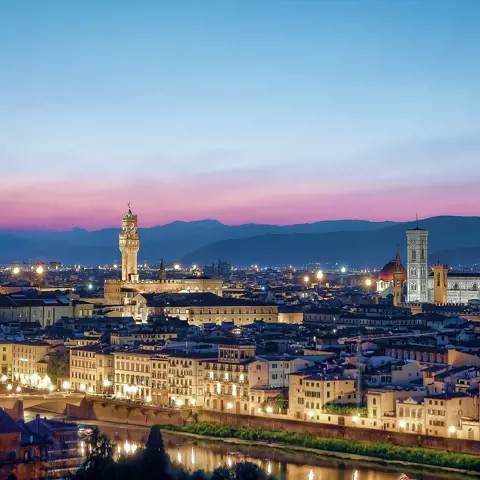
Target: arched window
x,y
455,286
474,286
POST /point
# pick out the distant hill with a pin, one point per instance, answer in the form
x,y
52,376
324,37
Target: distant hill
x,y
172,241
450,238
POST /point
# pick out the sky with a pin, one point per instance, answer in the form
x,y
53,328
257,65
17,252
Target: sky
x,y
265,111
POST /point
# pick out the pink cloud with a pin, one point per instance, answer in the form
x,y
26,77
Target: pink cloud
x,y
99,203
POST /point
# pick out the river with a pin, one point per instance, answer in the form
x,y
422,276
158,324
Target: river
x,y
207,455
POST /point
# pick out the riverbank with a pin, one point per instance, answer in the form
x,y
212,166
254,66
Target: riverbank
x,y
384,454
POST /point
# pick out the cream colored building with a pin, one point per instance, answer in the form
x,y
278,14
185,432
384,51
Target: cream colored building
x,y
186,374
444,413
26,356
309,393
229,377
160,368
121,339
116,291
92,369
6,358
133,374
201,308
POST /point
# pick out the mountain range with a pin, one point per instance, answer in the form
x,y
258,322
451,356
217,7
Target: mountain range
x,y
358,243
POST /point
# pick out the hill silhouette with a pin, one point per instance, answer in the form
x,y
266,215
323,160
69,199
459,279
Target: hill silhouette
x,y
352,242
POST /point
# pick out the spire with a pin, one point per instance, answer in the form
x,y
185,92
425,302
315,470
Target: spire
x,y
129,209
163,273
417,219
398,263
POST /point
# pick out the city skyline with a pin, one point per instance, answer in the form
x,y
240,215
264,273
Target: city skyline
x,y
271,112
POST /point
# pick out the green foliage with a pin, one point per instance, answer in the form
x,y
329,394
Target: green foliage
x,y
347,410
384,451
58,366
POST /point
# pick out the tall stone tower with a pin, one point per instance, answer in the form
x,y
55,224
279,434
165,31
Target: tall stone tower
x,y
398,274
129,243
440,284
417,265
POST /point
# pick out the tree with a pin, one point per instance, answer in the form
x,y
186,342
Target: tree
x,y
57,366
249,471
153,460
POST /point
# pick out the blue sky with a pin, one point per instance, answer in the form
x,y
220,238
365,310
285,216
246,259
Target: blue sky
x,y
265,111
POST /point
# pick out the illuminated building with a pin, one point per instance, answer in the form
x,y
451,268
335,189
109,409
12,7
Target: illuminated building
x,y
28,360
133,375
201,308
92,369
417,265
129,244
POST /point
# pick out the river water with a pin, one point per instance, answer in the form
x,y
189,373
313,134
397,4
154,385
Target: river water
x,y
206,455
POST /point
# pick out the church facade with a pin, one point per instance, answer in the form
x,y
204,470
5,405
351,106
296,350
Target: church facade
x,y
130,284
439,284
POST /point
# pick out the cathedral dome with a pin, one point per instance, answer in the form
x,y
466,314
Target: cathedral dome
x,y
386,273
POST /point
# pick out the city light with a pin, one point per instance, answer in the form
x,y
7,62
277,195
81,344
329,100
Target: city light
x,y
115,266
90,286
306,278
51,388
343,270
9,387
4,378
83,387
229,405
16,270
176,266
401,423
66,385
368,282
106,383
269,410
148,398
39,270
18,389
310,414
355,419
179,402
452,429
319,275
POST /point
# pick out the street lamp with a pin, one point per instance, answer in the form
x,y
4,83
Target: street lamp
x,y
401,424
355,419
319,275
306,279
368,282
343,270
66,385
16,271
39,270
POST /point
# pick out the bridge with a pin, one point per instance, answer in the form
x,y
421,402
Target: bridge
x,y
55,402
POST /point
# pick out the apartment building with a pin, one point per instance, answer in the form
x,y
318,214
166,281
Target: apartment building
x,y
186,374
92,369
308,393
133,374
160,368
28,359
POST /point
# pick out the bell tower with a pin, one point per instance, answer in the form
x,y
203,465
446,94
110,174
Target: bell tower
x,y
398,275
129,243
440,284
417,265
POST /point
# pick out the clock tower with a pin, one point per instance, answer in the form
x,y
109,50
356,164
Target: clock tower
x,y
129,243
417,265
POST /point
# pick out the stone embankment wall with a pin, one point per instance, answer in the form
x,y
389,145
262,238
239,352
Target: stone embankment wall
x,y
126,413
337,431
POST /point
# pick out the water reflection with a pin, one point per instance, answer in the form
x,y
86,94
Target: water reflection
x,y
204,455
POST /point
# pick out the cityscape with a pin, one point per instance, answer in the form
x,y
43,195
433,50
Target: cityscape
x,y
240,240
